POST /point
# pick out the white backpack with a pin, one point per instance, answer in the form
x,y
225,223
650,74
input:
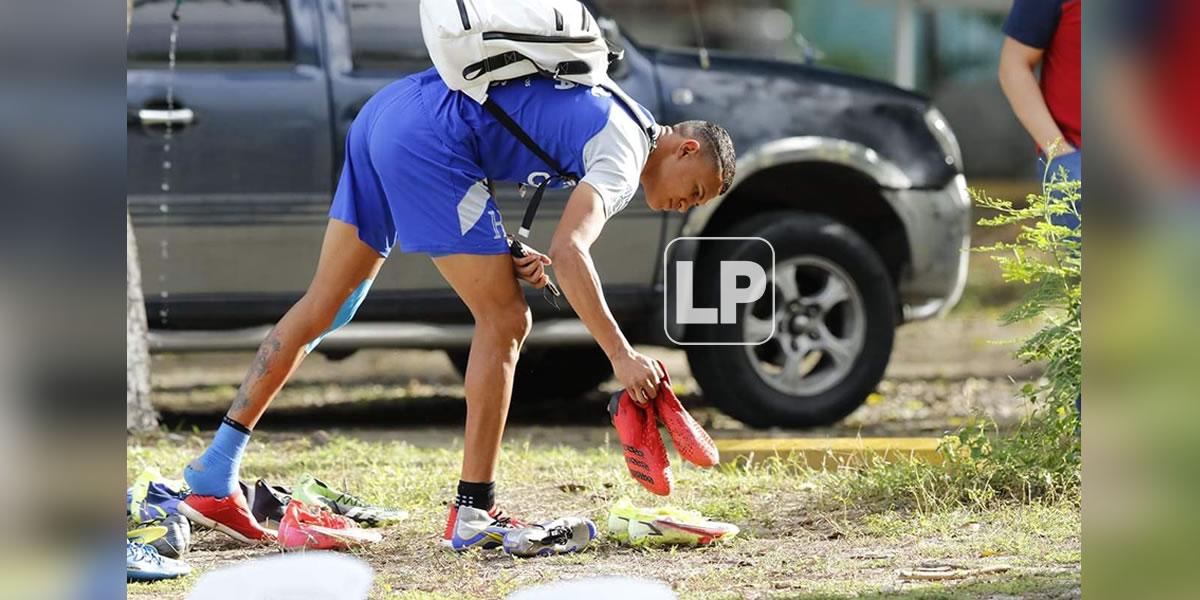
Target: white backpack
x,y
475,42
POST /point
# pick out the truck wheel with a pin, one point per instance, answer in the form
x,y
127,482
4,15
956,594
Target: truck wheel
x,y
550,374
834,324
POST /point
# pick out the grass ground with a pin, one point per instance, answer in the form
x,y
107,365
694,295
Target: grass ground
x,y
795,543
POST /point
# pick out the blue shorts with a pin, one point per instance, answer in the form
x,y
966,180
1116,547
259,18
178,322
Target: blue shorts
x,y
404,182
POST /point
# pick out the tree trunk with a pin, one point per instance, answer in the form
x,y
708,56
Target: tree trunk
x,y
139,414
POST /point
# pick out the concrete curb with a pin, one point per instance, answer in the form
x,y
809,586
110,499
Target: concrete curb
x,y
829,453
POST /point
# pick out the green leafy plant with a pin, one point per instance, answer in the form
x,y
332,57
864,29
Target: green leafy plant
x,y
1047,258
1039,460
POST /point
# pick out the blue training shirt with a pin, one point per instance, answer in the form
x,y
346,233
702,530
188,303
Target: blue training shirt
x,y
588,131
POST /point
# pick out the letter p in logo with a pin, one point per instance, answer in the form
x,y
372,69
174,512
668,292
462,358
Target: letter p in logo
x,y
731,294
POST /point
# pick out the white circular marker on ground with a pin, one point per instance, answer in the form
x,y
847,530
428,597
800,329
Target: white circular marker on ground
x,y
312,575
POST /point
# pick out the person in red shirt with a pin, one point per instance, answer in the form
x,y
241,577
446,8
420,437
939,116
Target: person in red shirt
x,y
1047,33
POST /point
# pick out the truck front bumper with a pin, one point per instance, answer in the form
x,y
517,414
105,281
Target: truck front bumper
x,y
938,226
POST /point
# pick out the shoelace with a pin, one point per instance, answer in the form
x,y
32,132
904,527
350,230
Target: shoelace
x,y
558,535
143,552
501,519
347,498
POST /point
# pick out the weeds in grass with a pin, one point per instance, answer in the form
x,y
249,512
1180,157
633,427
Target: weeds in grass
x,y
1041,459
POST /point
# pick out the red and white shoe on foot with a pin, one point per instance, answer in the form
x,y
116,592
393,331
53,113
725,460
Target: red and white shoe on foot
x,y
691,441
229,515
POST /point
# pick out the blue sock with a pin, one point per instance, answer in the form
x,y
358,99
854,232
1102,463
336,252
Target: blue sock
x,y
215,473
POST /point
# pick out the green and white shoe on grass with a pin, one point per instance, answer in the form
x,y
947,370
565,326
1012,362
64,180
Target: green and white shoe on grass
x,y
314,492
664,526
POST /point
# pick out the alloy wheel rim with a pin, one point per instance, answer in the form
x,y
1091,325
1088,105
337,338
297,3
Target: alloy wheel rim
x,y
819,327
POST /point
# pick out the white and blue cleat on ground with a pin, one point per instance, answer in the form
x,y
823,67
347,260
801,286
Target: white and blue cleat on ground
x,y
560,536
144,563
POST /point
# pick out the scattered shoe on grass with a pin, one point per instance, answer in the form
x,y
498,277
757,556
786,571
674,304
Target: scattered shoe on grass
x,y
664,526
151,498
177,539
268,502
313,491
560,536
146,534
317,528
144,563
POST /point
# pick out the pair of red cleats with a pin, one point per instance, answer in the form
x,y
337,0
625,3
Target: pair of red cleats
x,y
645,454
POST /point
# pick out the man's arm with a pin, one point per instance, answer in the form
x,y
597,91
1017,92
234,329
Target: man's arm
x,y
570,251
1017,65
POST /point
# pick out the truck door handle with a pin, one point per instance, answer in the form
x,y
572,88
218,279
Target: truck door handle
x,y
179,116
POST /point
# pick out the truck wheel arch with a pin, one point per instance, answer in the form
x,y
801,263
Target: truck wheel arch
x,y
840,179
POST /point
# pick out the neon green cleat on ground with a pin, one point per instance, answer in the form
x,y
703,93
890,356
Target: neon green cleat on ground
x,y
664,526
314,492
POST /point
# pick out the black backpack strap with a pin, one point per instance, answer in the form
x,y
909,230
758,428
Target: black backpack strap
x,y
560,173
495,62
514,128
647,125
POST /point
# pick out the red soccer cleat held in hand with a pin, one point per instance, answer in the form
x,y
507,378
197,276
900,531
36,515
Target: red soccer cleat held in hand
x,y
690,439
645,455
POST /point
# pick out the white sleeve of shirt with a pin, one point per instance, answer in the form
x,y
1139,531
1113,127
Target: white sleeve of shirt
x,y
613,160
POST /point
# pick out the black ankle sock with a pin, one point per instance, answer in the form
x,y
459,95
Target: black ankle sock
x,y
478,495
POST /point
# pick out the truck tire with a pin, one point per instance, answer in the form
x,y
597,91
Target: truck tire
x,y
834,325
550,374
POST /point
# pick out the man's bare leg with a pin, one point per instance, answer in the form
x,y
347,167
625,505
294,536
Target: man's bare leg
x,y
489,287
345,263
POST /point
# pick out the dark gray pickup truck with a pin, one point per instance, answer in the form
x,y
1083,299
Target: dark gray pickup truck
x,y
856,183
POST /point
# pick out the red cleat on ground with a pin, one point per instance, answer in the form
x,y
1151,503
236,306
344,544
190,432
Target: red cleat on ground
x,y
690,439
317,528
229,515
645,455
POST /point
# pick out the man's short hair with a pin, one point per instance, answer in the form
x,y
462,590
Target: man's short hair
x,y
715,140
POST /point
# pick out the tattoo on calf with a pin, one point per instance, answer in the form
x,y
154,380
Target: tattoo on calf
x,y
266,352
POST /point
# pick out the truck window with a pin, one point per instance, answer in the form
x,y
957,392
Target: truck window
x,y
241,32
386,34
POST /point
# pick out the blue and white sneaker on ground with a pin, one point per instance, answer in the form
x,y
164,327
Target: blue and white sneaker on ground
x,y
470,527
152,498
144,563
560,536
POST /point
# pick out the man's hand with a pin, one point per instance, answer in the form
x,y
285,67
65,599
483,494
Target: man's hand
x,y
639,373
532,268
